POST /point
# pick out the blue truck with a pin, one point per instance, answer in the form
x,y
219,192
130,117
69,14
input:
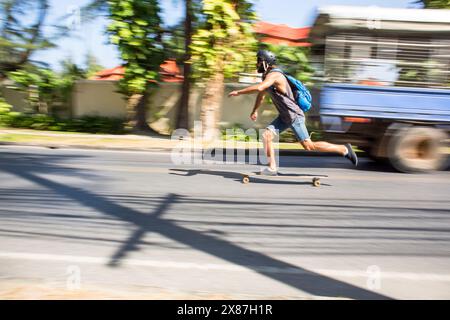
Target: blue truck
x,y
385,82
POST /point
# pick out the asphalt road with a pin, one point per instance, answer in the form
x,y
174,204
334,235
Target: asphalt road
x,y
80,223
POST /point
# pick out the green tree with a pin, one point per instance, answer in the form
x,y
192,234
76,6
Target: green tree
x,y
45,88
223,45
136,30
21,32
71,70
91,65
178,45
435,4
174,41
41,85
71,73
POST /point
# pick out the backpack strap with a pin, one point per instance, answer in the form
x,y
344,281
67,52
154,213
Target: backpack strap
x,y
289,83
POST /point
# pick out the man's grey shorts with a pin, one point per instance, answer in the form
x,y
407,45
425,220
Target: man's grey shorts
x,y
298,127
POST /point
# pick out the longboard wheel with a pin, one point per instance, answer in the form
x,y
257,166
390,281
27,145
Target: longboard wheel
x,y
245,179
316,182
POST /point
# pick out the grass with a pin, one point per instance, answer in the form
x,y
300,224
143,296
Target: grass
x,y
31,131
12,137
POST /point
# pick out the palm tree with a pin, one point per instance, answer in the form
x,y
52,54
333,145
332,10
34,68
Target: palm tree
x,y
20,38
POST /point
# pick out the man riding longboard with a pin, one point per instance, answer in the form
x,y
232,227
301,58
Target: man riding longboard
x,y
290,114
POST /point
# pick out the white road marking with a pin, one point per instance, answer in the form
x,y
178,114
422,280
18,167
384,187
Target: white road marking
x,y
223,267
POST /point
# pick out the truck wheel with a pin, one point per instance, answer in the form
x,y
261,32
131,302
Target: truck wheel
x,y
417,149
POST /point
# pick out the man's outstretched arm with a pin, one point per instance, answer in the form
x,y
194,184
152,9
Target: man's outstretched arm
x,y
259,99
260,87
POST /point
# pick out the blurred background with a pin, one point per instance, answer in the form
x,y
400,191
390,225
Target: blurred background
x,y
379,75
81,76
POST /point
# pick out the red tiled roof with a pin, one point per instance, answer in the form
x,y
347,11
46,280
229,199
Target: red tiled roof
x,y
281,31
169,73
109,74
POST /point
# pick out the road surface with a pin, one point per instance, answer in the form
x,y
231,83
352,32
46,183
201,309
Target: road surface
x,y
108,224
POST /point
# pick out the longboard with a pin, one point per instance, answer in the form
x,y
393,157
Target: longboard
x,y
315,180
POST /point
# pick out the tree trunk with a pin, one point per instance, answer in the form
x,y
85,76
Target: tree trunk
x,y
183,108
141,113
211,104
137,112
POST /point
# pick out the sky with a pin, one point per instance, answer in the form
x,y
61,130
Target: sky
x,y
91,37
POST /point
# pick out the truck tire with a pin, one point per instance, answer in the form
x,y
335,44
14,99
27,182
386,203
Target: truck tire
x,y
417,149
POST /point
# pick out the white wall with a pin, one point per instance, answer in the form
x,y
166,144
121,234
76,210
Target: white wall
x,y
99,98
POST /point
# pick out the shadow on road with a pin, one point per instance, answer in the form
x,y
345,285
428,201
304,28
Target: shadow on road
x,y
293,179
294,276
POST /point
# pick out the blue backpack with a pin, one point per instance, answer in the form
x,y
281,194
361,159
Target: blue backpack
x,y
301,93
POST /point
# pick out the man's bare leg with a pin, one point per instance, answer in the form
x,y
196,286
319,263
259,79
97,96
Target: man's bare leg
x,y
268,148
344,150
323,146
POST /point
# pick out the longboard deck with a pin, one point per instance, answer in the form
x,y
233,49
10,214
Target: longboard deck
x,y
315,179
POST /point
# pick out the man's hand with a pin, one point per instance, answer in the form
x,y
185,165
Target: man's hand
x,y
254,116
233,93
